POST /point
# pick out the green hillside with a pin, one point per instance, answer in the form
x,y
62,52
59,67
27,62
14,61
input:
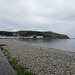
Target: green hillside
x,y
44,34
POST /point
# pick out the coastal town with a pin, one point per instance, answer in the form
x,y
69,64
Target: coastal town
x,y
20,37
32,35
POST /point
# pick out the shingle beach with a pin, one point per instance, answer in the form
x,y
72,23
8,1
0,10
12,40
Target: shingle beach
x,y
41,60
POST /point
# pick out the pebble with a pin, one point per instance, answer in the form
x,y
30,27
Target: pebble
x,y
42,60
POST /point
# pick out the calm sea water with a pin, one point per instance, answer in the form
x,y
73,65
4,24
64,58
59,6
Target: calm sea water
x,y
65,44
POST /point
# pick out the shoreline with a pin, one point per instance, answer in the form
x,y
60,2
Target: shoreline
x,y
42,60
44,46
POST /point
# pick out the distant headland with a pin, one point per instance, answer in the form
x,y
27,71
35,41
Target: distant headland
x,y
34,34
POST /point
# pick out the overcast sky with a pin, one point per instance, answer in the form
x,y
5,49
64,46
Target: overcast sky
x,y
38,15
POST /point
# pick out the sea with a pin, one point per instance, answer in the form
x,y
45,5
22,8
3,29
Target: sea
x,y
64,44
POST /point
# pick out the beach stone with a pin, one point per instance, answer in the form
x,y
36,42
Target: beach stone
x,y
41,60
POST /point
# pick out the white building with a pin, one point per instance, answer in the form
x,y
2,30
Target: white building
x,y
37,37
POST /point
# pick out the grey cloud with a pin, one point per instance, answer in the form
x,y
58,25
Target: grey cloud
x,y
43,15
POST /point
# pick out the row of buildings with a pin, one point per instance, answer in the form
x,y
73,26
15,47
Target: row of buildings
x,y
32,37
28,37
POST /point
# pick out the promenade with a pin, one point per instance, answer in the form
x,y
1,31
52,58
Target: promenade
x,y
5,67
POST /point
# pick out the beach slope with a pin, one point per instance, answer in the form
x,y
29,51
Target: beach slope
x,y
41,60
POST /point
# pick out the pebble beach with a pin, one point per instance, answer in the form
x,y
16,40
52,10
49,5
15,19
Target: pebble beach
x,y
41,60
